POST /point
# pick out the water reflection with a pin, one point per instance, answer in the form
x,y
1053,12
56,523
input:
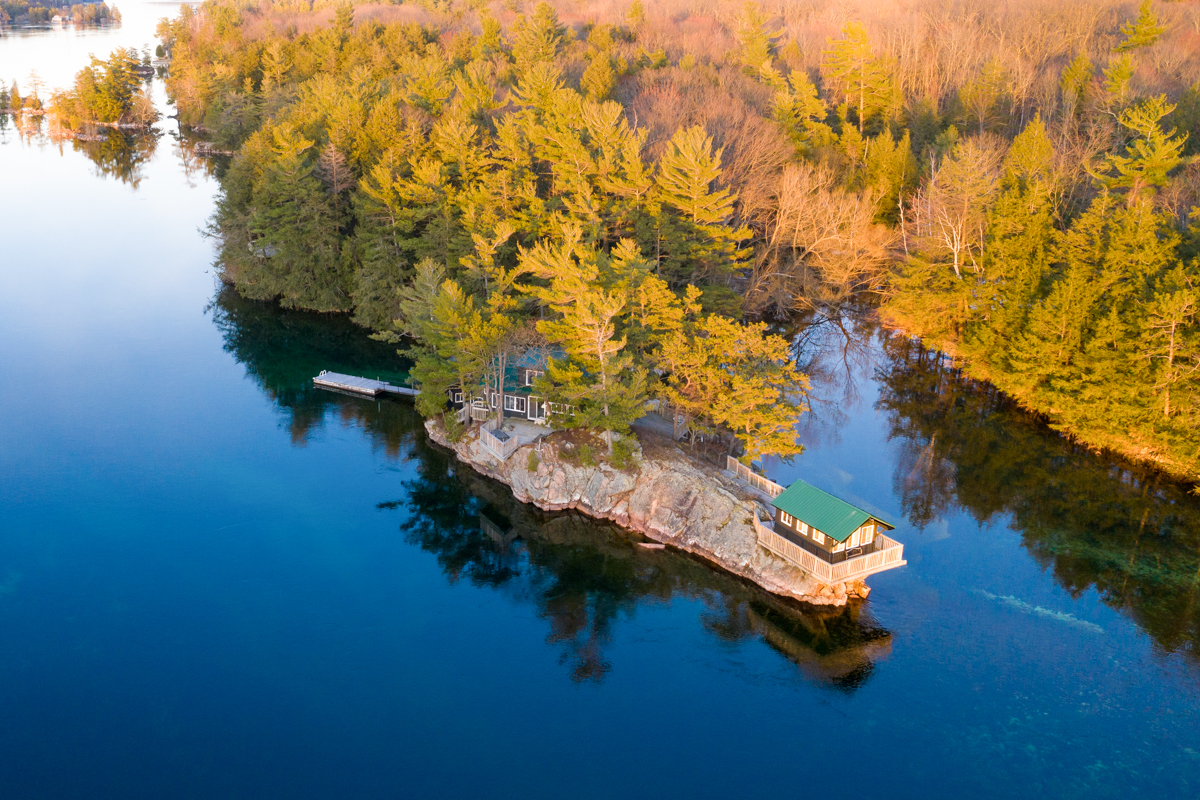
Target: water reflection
x,y
119,154
1092,520
583,577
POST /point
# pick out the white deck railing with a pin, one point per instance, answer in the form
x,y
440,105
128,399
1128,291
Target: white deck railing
x,y
764,485
887,554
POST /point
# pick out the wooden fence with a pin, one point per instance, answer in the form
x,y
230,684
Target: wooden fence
x,y
497,442
887,554
767,487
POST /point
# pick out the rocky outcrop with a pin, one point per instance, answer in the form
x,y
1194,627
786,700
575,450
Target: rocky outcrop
x,y
668,497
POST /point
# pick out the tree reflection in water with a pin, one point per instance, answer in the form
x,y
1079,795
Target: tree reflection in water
x,y
119,154
582,576
1093,520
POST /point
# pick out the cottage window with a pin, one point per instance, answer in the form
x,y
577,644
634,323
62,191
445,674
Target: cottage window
x,y
458,397
493,400
531,375
787,519
803,527
817,536
513,403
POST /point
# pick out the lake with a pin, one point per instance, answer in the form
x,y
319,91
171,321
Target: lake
x,y
217,580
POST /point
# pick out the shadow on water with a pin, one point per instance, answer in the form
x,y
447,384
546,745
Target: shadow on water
x,y
1095,521
582,576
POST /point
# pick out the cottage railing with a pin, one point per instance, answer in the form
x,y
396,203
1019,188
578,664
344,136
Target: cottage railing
x,y
764,485
496,441
886,554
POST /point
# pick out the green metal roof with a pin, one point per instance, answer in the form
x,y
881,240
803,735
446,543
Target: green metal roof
x,y
821,510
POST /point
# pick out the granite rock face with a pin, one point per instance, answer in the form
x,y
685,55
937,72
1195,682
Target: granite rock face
x,y
668,498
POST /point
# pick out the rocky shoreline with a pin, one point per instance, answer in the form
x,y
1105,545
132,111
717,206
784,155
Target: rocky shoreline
x,y
667,497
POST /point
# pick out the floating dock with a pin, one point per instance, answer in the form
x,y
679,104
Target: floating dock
x,y
357,385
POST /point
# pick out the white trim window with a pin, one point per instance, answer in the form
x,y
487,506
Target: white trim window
x,y
458,397
514,403
787,519
533,374
803,528
817,536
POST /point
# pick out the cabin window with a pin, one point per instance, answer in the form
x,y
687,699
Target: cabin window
x,y
531,375
787,519
817,536
839,547
803,527
458,397
512,403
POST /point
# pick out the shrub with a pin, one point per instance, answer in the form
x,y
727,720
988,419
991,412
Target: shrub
x,y
533,462
454,429
624,454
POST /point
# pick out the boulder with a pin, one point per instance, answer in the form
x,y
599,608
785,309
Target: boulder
x,y
668,497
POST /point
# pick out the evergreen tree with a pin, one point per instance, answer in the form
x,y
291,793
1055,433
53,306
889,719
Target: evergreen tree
x,y
1142,32
1153,153
1117,76
606,389
1074,83
700,241
1021,237
864,81
537,39
755,47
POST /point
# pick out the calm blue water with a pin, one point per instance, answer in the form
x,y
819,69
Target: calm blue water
x,y
216,581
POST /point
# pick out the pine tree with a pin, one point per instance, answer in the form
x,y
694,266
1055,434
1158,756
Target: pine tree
x,y
721,373
606,389
1073,83
1170,339
700,240
981,96
755,44
1153,153
864,80
537,39
1117,76
1142,32
801,113
1019,246
599,79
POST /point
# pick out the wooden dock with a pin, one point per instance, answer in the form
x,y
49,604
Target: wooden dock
x,y
357,385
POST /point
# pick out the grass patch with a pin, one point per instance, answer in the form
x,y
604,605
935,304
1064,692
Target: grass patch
x,y
533,462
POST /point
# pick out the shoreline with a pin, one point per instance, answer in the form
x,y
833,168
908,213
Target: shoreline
x,y
1142,455
668,498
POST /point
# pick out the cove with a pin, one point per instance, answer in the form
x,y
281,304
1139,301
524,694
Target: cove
x,y
217,580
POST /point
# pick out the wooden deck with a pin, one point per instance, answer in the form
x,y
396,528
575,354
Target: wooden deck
x,y
888,554
357,385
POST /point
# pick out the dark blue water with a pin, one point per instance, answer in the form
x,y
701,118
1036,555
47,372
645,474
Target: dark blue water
x,y
216,581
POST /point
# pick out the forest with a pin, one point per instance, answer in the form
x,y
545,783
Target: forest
x,y
41,12
646,185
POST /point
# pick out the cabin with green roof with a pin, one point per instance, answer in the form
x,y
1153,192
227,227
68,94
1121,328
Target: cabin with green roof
x,y
826,526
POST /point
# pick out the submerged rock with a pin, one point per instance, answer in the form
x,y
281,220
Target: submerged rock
x,y
667,497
